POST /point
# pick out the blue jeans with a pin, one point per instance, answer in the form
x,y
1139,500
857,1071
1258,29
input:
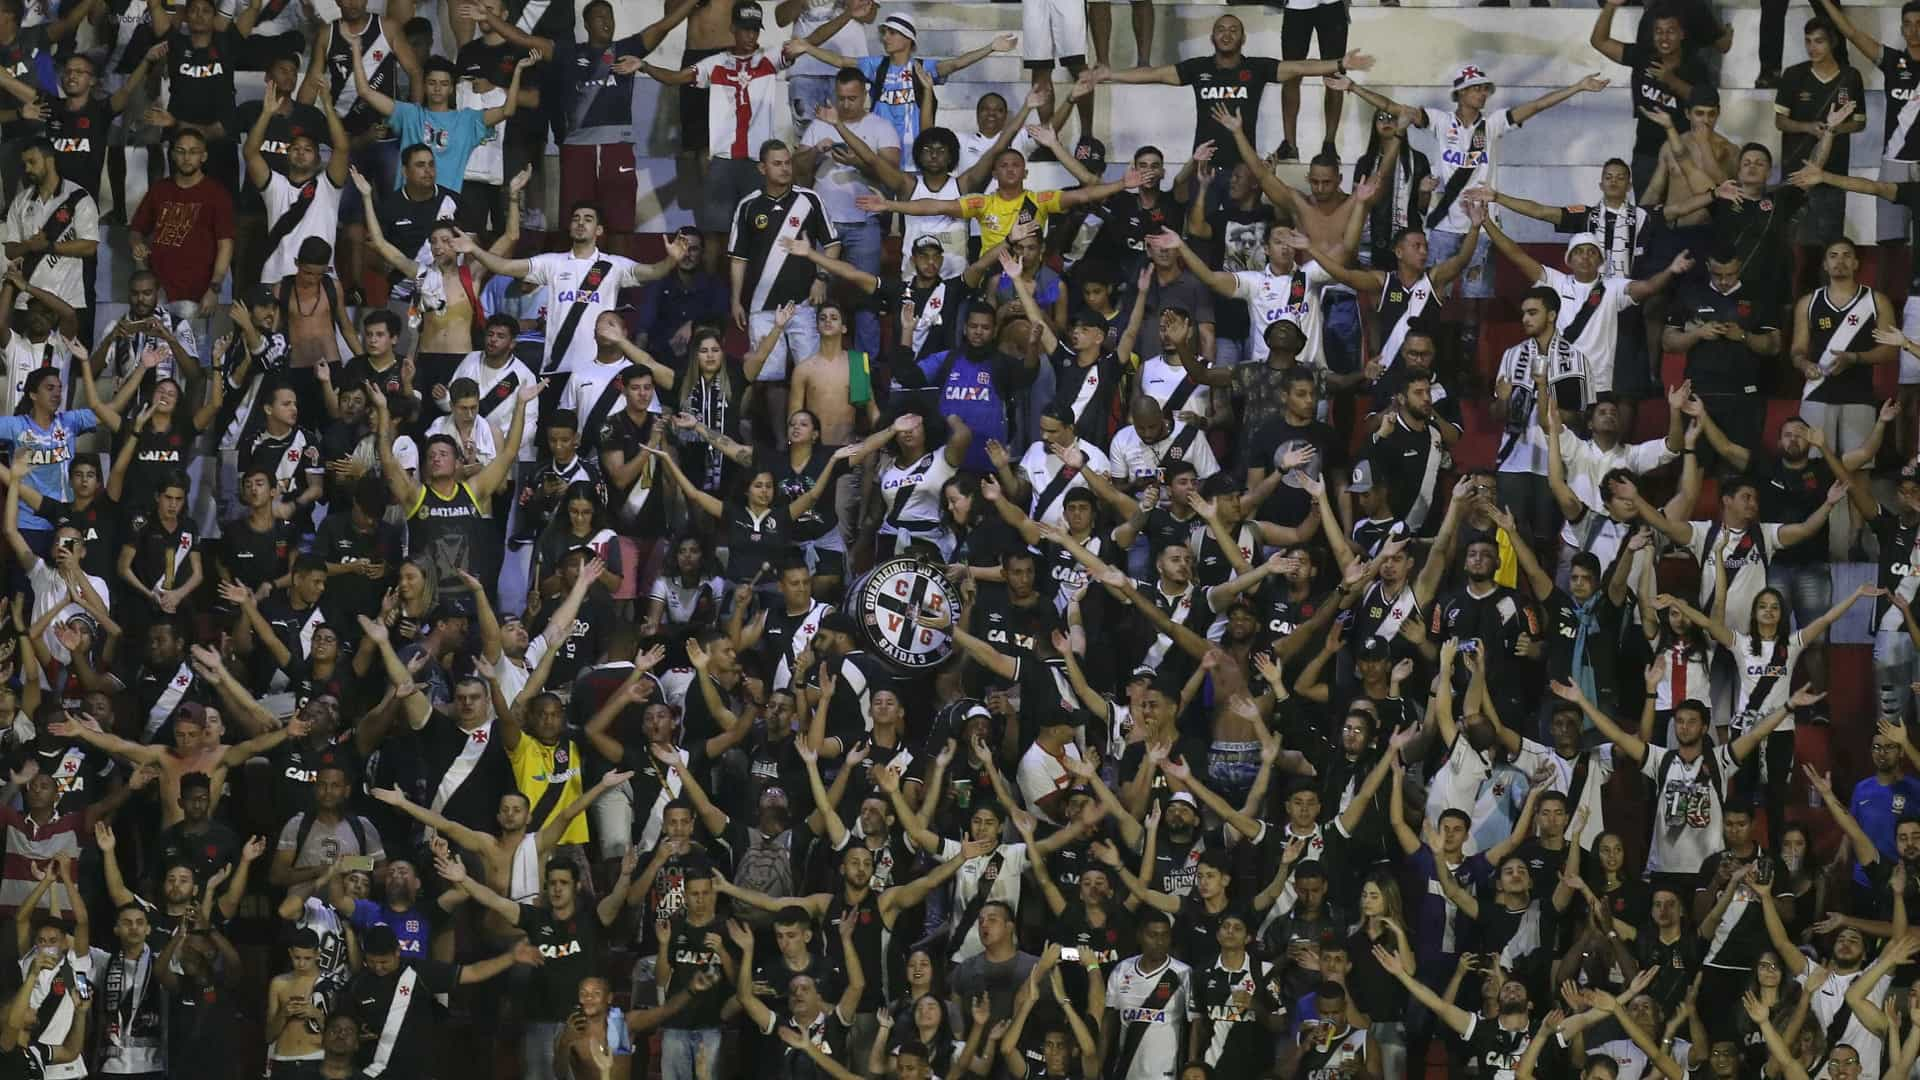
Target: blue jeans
x,y
689,1052
860,243
536,1049
1477,282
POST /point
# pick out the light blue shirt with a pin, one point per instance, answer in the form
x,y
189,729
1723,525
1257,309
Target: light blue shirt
x,y
50,450
451,135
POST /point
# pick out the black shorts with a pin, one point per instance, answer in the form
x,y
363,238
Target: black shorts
x,y
1299,25
693,105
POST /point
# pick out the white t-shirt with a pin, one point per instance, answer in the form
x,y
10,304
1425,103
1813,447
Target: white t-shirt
x,y
738,82
1040,775
1160,377
49,588
850,41
1599,767
1039,467
838,185
1745,555
500,415
1130,458
1687,808
1751,669
488,160
1458,149
322,220
1602,333
563,272
55,1033
1130,992
23,357
1270,296
966,884
58,274
1830,998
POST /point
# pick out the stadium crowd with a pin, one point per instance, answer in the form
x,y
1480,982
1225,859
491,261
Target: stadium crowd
x,y
921,622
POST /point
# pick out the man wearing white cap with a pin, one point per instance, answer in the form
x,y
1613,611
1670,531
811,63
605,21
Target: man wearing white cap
x,y
1467,137
1590,303
900,83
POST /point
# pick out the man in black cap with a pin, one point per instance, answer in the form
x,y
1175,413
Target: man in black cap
x,y
393,1002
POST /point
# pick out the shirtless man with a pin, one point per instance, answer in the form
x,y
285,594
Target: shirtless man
x,y
445,289
820,382
1322,212
512,860
315,309
193,751
296,1009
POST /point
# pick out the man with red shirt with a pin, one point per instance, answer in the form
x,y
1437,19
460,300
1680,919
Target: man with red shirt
x,y
183,230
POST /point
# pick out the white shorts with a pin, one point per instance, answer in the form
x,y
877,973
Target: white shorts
x,y
1053,30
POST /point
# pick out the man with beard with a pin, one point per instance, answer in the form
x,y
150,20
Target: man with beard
x,y
183,228
874,913
1691,782
53,228
1496,1046
310,842
147,325
1848,983
179,892
1498,618
1876,869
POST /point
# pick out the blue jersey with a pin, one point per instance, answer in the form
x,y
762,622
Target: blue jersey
x,y
451,135
50,450
974,393
1879,809
899,102
410,926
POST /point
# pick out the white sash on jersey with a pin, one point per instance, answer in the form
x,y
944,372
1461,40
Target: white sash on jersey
x,y
801,640
523,877
1423,499
669,791
1397,613
287,469
306,631
395,1021
168,701
1418,294
1182,607
463,764
1842,338
176,558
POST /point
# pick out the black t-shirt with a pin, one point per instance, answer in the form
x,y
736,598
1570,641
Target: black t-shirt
x,y
1238,87
404,1028
689,952
206,851
406,221
360,370
1493,1050
1789,495
341,541
1240,241
1742,934
571,949
1805,97
1650,93
80,139
1126,223
492,63
1758,230
1722,365
157,454
581,646
201,78
1289,505
255,558
20,58
1089,391
1902,73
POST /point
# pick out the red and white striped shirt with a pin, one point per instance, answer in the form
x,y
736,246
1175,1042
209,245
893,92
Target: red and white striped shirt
x,y
32,846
